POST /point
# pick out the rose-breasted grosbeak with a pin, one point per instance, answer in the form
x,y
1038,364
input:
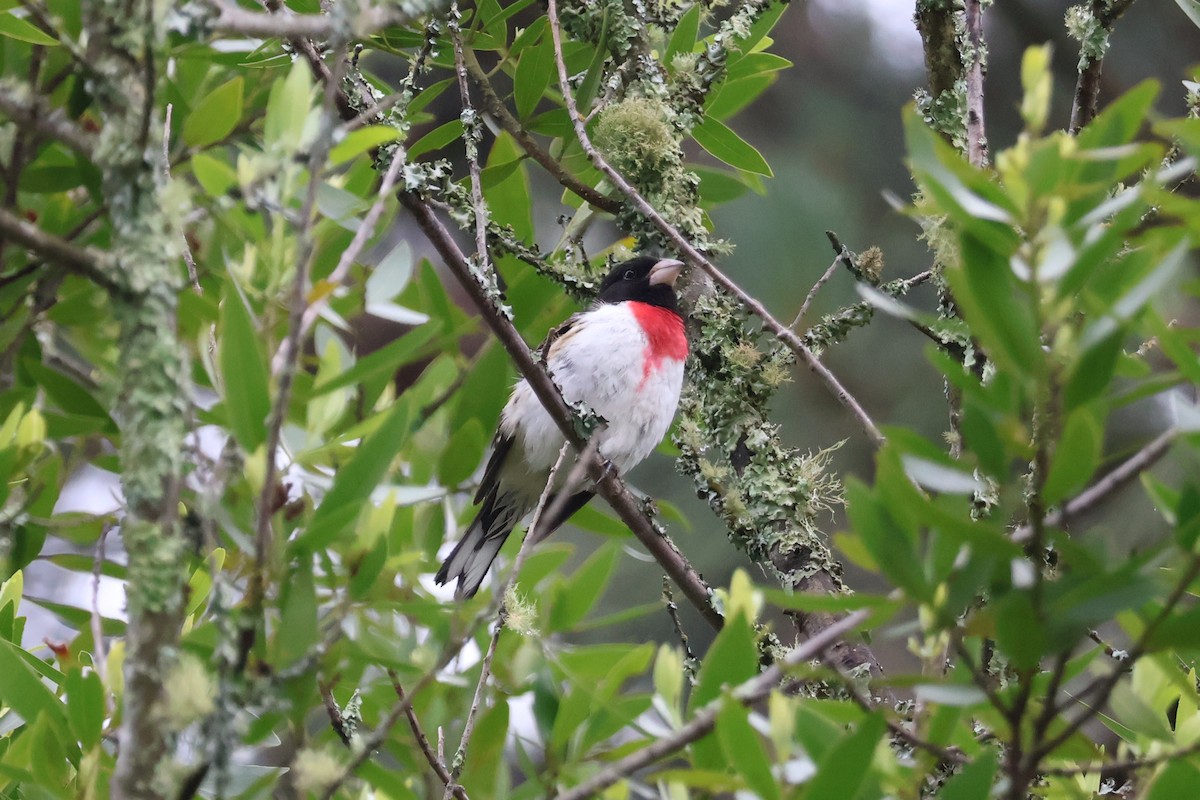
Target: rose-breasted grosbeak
x,y
623,358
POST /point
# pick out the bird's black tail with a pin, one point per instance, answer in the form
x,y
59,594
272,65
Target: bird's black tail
x,y
472,557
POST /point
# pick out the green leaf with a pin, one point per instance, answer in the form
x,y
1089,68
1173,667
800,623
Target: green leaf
x,y
1091,374
984,288
70,395
725,145
298,630
1180,777
214,175
845,768
436,139
731,659
585,588
360,141
974,782
85,707
1120,120
355,481
16,28
534,71
462,453
22,688
1019,633
1076,456
243,370
287,108
683,38
215,116
886,540
384,361
744,750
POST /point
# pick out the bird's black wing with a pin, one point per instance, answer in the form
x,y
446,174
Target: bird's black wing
x,y
491,476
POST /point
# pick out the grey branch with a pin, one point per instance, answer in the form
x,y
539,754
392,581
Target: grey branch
x,y
55,250
495,106
1087,87
1127,471
977,147
702,724
26,107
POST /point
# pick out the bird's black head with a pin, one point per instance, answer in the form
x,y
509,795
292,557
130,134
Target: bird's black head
x,y
645,279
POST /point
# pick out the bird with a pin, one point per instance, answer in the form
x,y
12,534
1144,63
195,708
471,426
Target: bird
x,y
623,358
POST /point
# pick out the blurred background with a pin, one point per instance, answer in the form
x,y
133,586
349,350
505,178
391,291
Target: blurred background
x,y
831,129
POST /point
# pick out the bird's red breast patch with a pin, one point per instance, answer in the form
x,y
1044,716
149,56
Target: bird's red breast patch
x,y
665,338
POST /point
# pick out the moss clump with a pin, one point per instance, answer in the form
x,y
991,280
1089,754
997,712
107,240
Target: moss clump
x,y
636,136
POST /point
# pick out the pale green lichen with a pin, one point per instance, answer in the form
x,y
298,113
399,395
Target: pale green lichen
x,y
315,770
768,495
1090,32
520,613
189,693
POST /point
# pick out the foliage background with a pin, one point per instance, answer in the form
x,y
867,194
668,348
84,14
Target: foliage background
x,y
833,151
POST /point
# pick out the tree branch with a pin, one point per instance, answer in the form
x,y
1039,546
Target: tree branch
x,y
88,263
1105,14
495,106
608,483
27,107
977,146
692,255
1115,480
705,719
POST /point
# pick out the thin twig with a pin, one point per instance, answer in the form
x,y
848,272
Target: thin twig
x,y
373,740
1102,687
82,261
471,137
434,759
495,106
285,369
691,254
1120,477
349,256
460,755
1129,765
98,658
704,721
812,293
188,258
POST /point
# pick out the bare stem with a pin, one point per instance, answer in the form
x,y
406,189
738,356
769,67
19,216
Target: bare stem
x,y
703,722
460,755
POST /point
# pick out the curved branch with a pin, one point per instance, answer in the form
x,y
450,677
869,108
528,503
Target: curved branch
x,y
608,484
703,723
693,256
495,106
55,250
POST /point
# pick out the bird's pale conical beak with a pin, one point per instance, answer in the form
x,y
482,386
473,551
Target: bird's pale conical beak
x,y
665,271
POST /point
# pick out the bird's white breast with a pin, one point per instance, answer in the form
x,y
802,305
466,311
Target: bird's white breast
x,y
601,361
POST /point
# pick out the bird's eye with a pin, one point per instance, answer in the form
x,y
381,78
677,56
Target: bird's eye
x,y
628,274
